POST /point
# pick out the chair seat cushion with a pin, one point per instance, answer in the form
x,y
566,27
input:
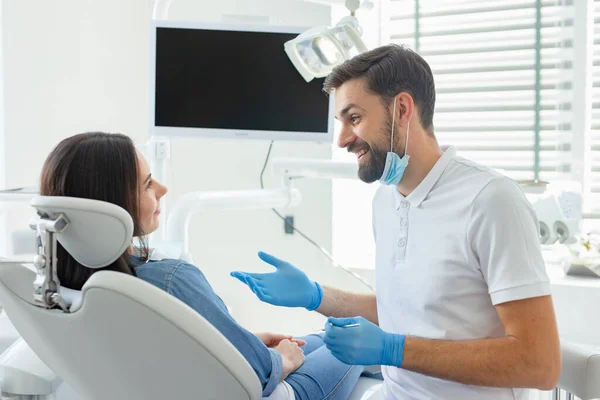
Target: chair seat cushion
x,y
283,391
366,389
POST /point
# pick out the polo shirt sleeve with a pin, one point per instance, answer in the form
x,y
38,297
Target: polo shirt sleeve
x,y
503,233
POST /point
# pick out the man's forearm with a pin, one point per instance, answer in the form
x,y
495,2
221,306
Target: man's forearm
x,y
501,362
338,303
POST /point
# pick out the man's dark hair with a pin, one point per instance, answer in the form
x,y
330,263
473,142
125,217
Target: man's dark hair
x,y
389,70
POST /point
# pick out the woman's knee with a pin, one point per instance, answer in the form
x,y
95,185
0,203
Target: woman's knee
x,y
313,342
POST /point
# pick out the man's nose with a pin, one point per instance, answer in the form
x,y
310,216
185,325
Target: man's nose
x,y
345,138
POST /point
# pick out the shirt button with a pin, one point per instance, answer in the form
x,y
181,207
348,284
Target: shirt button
x,y
405,204
401,242
404,222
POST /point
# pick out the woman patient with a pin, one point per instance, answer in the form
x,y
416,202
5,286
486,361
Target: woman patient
x,y
107,167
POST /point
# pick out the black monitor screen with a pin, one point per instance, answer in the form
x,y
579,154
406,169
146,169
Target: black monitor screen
x,y
238,80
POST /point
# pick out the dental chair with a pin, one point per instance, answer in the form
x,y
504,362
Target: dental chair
x,y
119,337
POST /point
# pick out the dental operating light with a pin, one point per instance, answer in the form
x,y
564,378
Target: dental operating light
x,y
317,51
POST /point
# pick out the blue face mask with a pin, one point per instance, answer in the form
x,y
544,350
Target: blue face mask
x,y
394,165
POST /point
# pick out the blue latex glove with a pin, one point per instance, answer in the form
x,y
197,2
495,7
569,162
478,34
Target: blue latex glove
x,y
287,286
366,344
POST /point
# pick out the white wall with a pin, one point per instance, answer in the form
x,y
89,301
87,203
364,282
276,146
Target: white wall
x,y
2,181
77,65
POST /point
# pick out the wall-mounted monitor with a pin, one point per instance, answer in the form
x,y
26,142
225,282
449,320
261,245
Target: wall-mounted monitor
x,y
232,81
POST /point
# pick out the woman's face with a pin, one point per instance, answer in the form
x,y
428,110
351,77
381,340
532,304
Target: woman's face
x,y
151,191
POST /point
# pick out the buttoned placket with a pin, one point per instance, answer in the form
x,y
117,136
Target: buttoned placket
x,y
402,209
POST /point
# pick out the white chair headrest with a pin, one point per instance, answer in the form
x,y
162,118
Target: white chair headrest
x,y
98,232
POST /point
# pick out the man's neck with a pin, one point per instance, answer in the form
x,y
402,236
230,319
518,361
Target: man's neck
x,y
424,152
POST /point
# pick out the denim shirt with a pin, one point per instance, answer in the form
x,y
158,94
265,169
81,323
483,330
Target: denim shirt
x,y
187,283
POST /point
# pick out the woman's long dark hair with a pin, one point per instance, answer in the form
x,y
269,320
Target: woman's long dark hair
x,y
99,166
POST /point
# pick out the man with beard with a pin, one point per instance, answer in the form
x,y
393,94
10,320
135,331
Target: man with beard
x,y
462,308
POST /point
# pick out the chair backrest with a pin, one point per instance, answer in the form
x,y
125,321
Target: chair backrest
x,y
128,340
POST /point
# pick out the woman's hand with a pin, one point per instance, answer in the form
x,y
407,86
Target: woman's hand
x,y
273,339
291,355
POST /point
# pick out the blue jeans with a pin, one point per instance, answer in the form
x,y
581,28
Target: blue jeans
x,y
322,376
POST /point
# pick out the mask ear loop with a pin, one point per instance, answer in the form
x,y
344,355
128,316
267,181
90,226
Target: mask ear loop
x,y
407,137
393,120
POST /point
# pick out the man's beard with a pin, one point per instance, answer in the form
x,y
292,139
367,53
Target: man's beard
x,y
372,170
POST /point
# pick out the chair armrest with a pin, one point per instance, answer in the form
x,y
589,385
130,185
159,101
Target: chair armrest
x,y
580,373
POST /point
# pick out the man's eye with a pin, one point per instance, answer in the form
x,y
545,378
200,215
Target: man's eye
x,y
354,118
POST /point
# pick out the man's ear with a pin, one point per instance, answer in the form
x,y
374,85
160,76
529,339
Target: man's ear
x,y
402,110
406,108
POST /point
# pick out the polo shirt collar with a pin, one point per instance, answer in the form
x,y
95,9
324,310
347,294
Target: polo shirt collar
x,y
422,190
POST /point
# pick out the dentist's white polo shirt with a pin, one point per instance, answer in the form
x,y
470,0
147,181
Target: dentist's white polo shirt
x,y
465,240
